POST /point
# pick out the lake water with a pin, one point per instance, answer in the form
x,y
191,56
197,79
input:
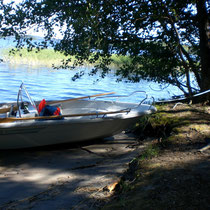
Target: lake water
x,y
44,82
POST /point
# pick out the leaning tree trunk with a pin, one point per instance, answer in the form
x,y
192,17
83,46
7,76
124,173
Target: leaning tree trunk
x,y
204,31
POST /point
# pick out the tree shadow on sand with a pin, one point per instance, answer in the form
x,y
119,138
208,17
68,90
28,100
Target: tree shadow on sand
x,y
61,176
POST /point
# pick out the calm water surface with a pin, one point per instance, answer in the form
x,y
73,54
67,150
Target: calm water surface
x,y
43,82
57,84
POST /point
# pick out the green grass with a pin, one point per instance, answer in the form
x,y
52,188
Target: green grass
x,y
48,57
152,150
45,57
119,60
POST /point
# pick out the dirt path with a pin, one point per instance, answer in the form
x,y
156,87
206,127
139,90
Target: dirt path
x,y
173,172
65,177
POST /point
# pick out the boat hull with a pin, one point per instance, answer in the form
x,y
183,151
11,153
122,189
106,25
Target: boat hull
x,y
42,135
33,133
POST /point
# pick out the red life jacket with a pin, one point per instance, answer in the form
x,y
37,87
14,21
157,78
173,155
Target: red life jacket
x,y
41,105
46,110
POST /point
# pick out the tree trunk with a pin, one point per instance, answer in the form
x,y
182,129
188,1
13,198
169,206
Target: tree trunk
x,y
204,32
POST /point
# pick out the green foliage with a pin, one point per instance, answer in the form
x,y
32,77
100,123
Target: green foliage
x,y
49,57
45,57
151,151
161,38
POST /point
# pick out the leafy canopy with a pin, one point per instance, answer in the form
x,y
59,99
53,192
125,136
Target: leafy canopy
x,y
161,37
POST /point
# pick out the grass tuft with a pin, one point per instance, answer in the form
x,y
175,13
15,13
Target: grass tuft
x,y
49,58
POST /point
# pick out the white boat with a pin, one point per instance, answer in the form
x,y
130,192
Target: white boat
x,y
80,120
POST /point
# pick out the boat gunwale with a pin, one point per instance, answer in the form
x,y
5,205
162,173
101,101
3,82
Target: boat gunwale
x,y
134,113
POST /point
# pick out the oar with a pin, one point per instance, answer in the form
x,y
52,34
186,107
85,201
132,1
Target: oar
x,y
12,119
75,99
4,110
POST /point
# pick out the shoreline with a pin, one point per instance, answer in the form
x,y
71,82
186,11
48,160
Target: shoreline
x,y
173,172
163,166
49,58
